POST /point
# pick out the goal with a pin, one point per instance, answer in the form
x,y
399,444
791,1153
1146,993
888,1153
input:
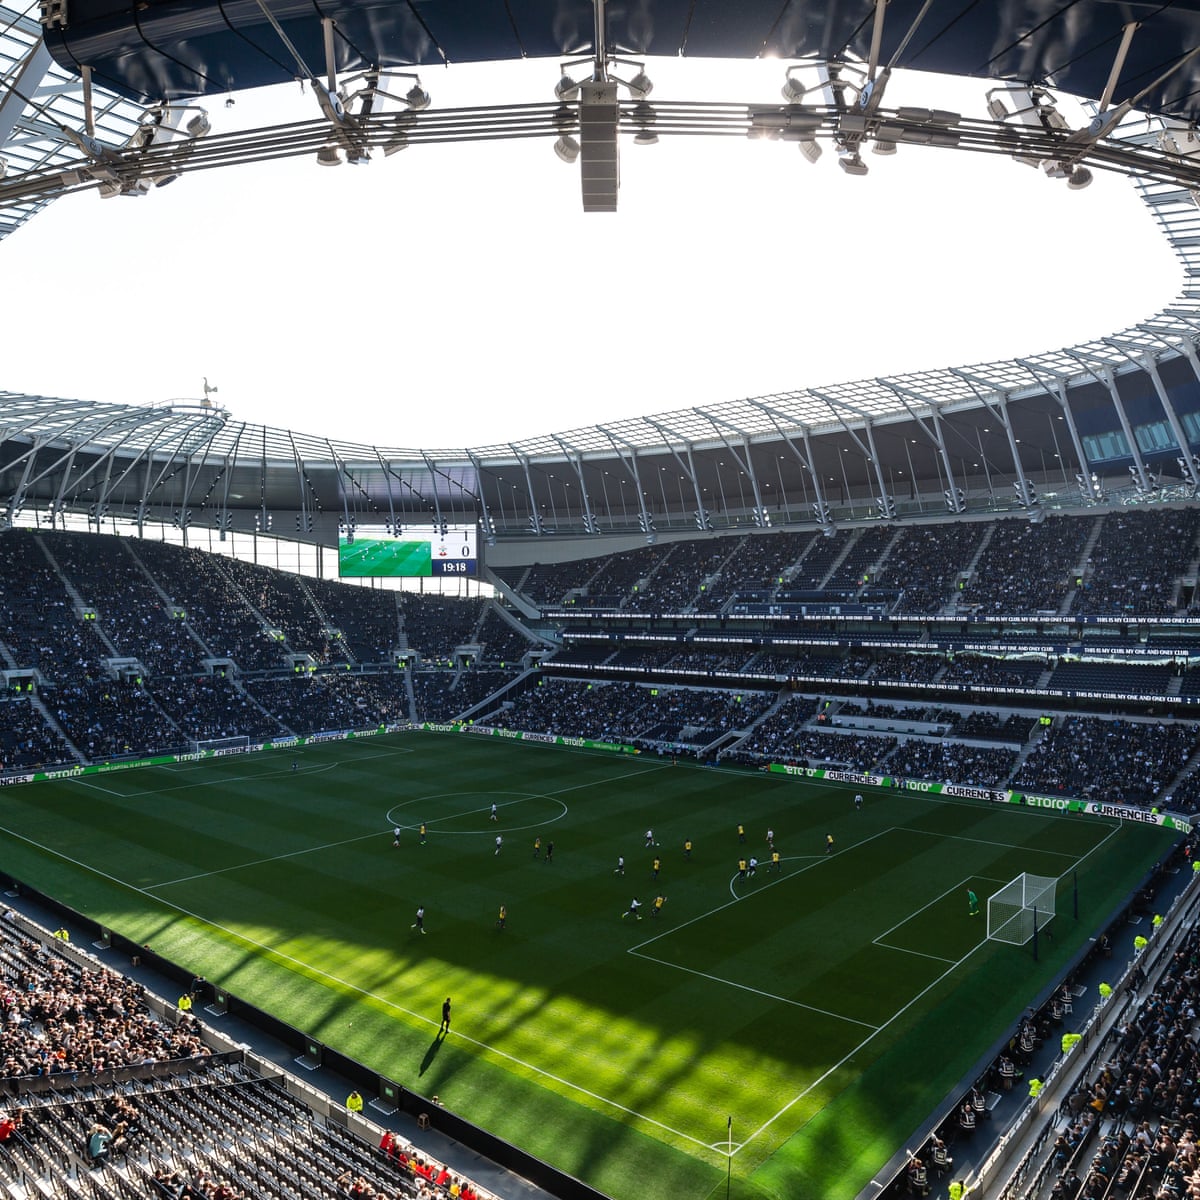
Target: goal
x,y
228,744
1019,906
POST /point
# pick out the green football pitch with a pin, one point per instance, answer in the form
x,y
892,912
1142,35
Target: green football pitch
x,y
794,1028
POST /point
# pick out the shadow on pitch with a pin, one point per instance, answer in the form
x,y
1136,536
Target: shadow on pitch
x,y
432,1052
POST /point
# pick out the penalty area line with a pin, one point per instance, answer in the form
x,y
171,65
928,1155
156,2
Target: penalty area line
x,y
837,1066
745,987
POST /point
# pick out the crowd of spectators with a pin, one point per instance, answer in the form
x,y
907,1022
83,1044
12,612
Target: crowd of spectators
x,y
767,740
547,584
131,612
907,668
502,644
26,740
205,707
284,602
201,586
446,695
686,567
974,671
763,562
57,1017
1139,1106
1135,565
944,761
368,617
1027,568
686,718
618,574
113,718
989,726
436,626
332,700
862,557
893,712
599,711
924,565
1184,796
1122,761
812,569
39,623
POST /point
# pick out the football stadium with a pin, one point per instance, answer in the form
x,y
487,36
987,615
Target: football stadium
x,y
786,798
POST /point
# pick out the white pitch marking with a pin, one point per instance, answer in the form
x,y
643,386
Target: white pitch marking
x,y
310,969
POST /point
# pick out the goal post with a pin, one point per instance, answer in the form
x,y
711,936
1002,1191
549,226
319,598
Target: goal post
x,y
240,742
1020,908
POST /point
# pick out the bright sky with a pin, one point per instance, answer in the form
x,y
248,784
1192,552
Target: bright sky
x,y
458,295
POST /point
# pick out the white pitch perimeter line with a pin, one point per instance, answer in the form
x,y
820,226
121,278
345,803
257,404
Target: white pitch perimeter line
x,y
866,1041
350,987
183,787
258,862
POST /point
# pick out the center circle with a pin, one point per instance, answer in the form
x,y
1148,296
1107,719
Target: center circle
x,y
471,812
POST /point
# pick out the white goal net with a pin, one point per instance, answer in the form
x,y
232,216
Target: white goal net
x,y
1014,909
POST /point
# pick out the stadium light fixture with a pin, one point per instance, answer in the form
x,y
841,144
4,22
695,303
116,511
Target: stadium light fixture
x,y
644,117
417,98
810,148
329,156
567,148
566,88
793,91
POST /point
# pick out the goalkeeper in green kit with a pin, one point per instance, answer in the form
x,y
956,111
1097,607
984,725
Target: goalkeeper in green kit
x,y
972,904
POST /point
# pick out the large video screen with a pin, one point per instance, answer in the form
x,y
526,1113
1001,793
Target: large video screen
x,y
420,550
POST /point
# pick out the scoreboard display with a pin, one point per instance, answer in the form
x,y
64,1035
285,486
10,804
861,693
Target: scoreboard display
x,y
419,551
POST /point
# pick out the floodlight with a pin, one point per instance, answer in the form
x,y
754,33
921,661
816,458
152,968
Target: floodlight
x,y
645,117
567,148
328,156
199,125
810,148
3,167
566,88
853,165
883,147
793,90
416,97
1079,179
996,109
358,157
640,86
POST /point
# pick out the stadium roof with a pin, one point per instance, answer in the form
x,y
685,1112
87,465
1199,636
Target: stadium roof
x,y
1075,420
178,48
1090,423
